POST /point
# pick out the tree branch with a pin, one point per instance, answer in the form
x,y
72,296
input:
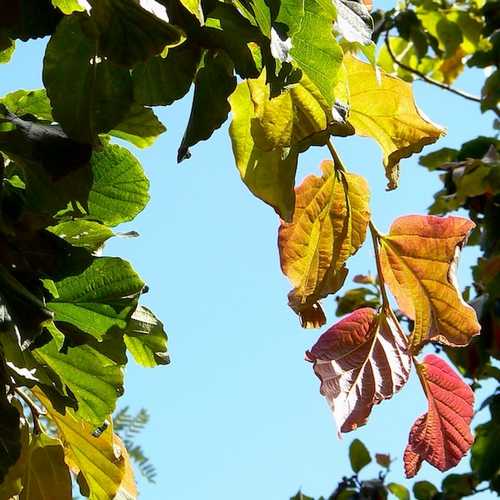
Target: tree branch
x,y
424,77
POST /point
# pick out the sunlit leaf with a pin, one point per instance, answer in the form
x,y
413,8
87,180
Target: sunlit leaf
x,y
70,6
34,102
100,298
441,436
102,460
95,380
269,175
328,226
119,189
83,233
399,491
361,360
385,110
419,259
315,49
146,339
46,472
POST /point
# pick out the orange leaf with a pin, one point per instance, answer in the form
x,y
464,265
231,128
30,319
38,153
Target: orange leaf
x,y
419,257
328,226
442,435
361,360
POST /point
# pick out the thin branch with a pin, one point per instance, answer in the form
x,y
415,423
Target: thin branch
x,y
35,411
424,77
336,158
375,239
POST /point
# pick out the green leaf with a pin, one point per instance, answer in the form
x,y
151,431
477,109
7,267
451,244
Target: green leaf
x,y
140,127
94,379
424,490
100,299
399,491
214,83
33,102
290,14
314,48
146,339
459,485
485,459
163,80
130,32
437,158
358,455
89,94
68,6
83,233
6,51
356,298
269,175
46,471
119,188
301,496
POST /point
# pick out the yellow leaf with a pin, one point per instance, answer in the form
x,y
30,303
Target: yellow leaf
x,y
385,110
329,225
103,461
419,257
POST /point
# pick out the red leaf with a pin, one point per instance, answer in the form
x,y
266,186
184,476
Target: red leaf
x,y
442,435
361,360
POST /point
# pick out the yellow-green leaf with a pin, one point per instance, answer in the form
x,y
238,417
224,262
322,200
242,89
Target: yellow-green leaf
x,y
419,257
329,225
46,472
103,460
194,7
269,175
298,117
385,110
70,6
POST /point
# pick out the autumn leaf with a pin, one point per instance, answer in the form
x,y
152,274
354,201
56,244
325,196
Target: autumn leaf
x,y
102,460
442,435
419,257
328,226
385,110
361,360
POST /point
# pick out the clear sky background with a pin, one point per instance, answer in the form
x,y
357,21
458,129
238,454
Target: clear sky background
x,y
238,414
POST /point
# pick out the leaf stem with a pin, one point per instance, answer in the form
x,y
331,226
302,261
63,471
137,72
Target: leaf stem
x,y
424,77
336,158
376,242
35,411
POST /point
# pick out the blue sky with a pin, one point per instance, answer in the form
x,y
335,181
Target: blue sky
x,y
238,414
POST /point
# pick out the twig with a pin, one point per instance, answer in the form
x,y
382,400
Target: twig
x,y
375,239
35,411
336,158
424,77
